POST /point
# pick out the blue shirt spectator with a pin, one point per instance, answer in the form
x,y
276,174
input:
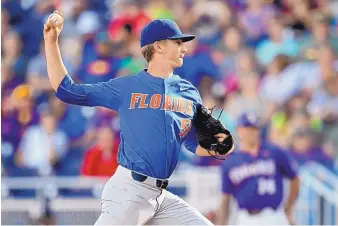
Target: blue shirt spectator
x,y
14,63
280,41
14,9
197,65
73,120
281,83
98,64
31,27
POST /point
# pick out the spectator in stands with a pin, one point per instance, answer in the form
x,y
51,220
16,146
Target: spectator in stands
x,y
288,117
133,60
6,77
99,64
18,113
320,34
324,107
5,19
245,63
304,148
218,12
324,103
328,8
281,41
101,160
42,146
14,63
159,9
299,16
184,15
297,103
208,29
285,122
247,99
9,134
104,115
254,20
14,10
81,20
83,41
237,5
79,7
312,74
34,19
199,68
37,76
326,67
73,120
228,51
281,81
128,12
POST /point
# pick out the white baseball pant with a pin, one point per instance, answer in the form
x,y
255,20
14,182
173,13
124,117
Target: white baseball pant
x,y
126,201
267,216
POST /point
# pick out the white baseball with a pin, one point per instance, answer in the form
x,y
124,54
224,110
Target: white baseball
x,y
56,19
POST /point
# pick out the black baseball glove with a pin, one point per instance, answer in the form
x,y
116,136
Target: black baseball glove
x,y
207,127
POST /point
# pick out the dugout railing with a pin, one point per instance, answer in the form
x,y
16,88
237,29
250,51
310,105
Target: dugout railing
x,y
317,203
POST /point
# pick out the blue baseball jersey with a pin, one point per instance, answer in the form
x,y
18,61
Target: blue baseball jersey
x,y
256,182
155,117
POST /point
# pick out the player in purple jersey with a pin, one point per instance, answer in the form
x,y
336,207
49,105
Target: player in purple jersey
x,y
254,175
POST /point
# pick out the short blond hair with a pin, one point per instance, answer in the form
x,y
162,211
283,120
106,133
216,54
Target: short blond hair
x,y
149,50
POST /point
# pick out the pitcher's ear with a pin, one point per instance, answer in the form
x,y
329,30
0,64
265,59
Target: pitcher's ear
x,y
158,46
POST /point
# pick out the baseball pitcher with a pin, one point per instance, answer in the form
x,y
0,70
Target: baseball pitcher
x,y
159,112
253,176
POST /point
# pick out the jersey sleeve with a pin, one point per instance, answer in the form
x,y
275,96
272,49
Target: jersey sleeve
x,y
227,186
288,165
198,97
190,142
106,94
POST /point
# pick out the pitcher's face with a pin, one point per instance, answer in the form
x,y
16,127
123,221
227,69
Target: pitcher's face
x,y
174,51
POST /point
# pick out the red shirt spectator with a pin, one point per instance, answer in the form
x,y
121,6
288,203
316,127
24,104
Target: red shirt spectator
x,y
136,22
128,12
101,160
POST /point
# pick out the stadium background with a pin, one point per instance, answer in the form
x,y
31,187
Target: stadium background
x,y
277,59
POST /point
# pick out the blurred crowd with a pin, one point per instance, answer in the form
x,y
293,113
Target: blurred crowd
x,y
277,59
